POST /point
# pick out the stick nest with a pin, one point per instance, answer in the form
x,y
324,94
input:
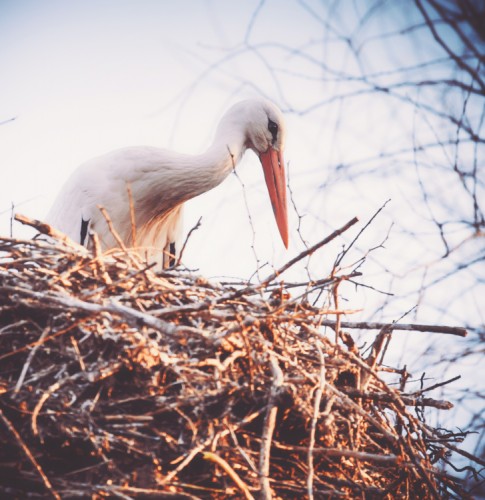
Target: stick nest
x,y
119,382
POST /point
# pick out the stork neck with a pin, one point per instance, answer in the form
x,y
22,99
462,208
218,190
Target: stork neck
x,y
219,160
186,175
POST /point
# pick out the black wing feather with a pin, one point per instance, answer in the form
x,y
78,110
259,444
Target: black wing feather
x,y
84,229
171,261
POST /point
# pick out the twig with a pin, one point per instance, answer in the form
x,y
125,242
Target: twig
x,y
48,230
98,257
117,237
466,454
368,223
359,455
132,214
82,365
309,251
40,342
130,313
102,374
197,449
338,321
366,325
360,411
126,278
250,218
8,120
411,400
194,228
31,355
183,463
439,384
380,340
47,394
207,455
313,428
112,229
29,455
12,214
268,429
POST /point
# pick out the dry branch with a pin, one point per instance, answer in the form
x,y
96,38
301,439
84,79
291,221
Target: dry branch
x,y
46,229
29,455
268,429
389,327
310,251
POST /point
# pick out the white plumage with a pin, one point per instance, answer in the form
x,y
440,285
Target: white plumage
x,y
160,181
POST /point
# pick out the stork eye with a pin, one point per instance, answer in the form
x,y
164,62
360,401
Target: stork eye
x,y
273,128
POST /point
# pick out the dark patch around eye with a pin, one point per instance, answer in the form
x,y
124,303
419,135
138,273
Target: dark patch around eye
x,y
273,128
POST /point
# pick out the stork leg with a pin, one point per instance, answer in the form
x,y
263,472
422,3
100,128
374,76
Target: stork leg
x,y
172,254
169,257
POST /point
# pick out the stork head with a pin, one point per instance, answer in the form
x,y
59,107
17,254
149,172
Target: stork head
x,y
265,135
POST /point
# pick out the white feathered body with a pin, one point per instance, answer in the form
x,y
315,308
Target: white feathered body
x,y
159,181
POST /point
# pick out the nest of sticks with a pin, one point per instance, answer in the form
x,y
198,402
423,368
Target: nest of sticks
x,y
116,381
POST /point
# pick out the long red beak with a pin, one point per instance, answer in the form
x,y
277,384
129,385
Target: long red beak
x,y
274,173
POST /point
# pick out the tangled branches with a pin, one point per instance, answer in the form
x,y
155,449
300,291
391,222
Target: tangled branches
x,y
116,381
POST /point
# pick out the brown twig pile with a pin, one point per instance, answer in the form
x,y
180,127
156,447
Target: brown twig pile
x,y
119,382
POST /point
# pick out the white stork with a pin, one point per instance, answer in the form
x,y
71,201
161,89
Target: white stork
x,y
152,184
